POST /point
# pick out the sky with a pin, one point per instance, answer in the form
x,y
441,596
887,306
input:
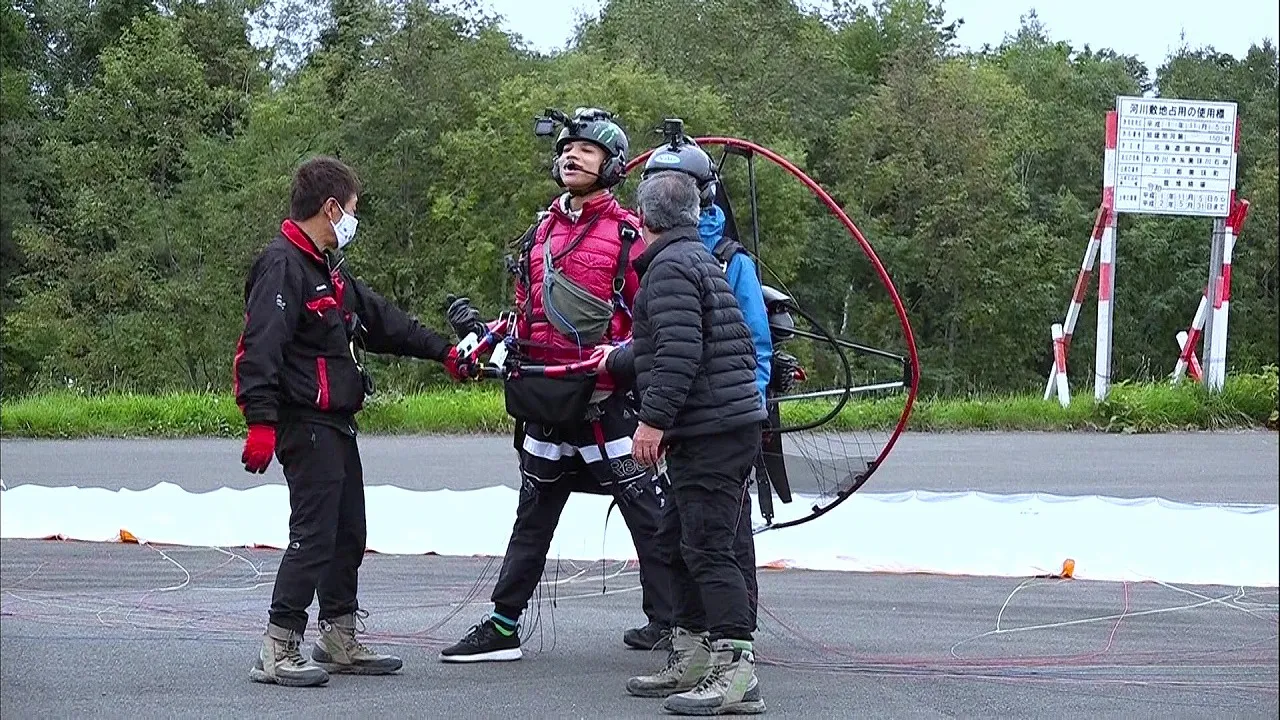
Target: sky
x,y
1150,29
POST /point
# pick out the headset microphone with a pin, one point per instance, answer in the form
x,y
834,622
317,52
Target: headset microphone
x,y
571,165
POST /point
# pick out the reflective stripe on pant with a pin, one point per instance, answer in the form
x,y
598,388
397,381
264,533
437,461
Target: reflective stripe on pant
x,y
326,524
557,463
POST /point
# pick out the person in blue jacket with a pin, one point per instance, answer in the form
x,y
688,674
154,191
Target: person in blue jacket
x,y
687,157
740,269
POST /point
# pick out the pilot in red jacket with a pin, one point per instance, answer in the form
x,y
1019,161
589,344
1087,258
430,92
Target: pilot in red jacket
x,y
588,240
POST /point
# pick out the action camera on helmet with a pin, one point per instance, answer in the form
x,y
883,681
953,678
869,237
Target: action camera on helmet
x,y
673,131
681,154
544,126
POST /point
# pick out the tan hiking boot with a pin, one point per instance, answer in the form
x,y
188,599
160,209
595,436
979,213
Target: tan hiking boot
x,y
687,661
730,686
280,662
338,651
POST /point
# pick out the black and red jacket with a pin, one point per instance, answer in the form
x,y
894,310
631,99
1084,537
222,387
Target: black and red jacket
x,y
294,357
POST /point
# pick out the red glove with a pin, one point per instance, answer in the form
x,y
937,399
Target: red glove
x,y
259,446
459,366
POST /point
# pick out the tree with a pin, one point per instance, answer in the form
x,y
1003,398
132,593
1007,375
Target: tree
x,y
147,148
933,158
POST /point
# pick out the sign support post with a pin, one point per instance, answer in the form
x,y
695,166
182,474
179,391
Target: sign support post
x,y
1106,310
1214,297
1107,264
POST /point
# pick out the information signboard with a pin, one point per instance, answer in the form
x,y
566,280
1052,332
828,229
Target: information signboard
x,y
1175,157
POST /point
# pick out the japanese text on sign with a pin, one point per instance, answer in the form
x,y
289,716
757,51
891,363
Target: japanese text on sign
x,y
1174,157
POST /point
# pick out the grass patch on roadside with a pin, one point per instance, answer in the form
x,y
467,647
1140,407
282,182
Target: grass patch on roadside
x,y
1247,401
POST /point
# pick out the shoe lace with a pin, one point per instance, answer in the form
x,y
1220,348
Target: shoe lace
x,y
480,630
668,634
673,661
354,642
712,678
360,616
293,653
350,640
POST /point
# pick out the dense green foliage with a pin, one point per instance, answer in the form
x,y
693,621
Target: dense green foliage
x,y
147,148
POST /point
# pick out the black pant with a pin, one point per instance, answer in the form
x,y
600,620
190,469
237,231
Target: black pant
x,y
326,523
707,532
557,463
744,549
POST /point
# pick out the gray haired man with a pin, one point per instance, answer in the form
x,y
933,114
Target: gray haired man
x,y
692,364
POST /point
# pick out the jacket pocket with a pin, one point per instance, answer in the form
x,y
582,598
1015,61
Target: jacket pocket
x,y
338,385
321,304
322,383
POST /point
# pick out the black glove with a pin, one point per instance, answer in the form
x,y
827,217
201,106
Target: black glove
x,y
464,318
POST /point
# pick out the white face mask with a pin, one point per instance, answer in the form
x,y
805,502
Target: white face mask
x,y
345,229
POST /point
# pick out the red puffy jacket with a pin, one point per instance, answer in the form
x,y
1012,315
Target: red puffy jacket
x,y
591,263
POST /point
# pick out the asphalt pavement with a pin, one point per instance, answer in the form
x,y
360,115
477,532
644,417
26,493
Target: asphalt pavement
x,y
1187,467
127,631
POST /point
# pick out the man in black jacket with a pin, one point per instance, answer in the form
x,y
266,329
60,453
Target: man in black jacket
x,y
299,383
692,364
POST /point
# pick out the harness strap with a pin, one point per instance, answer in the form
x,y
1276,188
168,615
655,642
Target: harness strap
x,y
598,428
725,250
524,267
518,439
627,236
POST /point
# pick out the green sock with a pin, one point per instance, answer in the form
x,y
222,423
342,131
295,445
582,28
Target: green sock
x,y
505,625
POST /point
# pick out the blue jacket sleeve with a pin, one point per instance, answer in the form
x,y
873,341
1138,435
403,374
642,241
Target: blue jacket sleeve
x,y
746,287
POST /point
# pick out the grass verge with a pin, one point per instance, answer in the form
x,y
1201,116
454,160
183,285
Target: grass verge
x,y
1247,401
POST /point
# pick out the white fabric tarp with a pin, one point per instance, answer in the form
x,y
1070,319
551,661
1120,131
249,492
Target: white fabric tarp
x,y
927,532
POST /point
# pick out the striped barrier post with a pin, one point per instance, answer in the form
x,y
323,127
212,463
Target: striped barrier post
x,y
1060,365
1216,372
1106,267
1192,365
1077,296
1187,356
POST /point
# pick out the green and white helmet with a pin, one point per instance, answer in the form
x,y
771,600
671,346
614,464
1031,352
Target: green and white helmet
x,y
598,127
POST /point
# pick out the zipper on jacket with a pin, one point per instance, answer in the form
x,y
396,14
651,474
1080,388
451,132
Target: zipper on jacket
x,y
322,383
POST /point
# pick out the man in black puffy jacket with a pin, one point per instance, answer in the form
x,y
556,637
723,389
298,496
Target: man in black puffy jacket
x,y
692,365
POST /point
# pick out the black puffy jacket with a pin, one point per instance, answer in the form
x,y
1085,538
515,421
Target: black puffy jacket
x,y
294,357
691,359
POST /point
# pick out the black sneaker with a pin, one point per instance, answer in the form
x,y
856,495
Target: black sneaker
x,y
654,636
484,642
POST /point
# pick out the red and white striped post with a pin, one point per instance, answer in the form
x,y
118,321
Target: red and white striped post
x,y
1077,297
1106,269
1060,365
1193,366
1188,340
1216,372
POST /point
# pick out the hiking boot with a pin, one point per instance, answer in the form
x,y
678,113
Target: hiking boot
x,y
654,636
484,642
280,662
688,661
730,686
338,651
